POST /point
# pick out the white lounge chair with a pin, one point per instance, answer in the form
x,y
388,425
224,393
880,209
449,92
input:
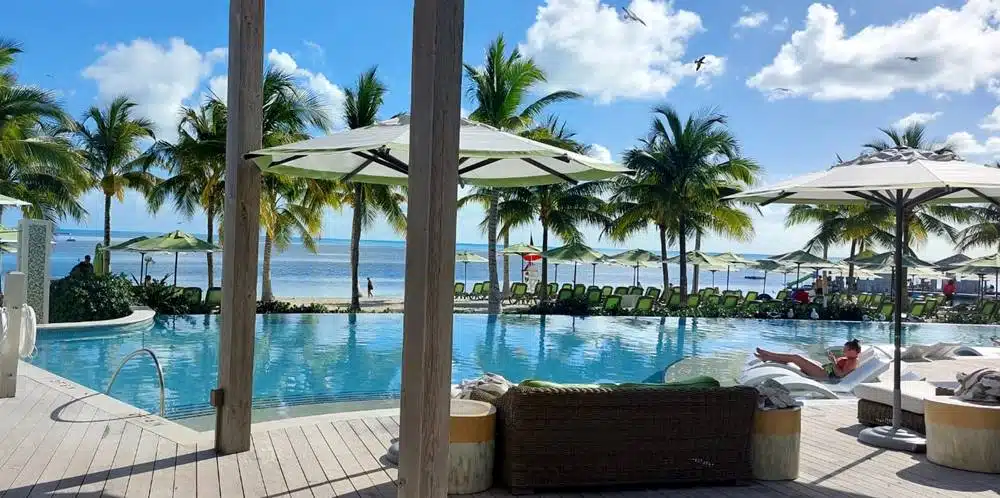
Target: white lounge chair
x,y
867,353
992,352
923,352
800,385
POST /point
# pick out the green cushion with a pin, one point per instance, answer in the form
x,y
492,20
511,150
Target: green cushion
x,y
698,382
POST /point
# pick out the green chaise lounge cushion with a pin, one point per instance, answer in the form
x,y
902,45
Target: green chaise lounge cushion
x,y
699,381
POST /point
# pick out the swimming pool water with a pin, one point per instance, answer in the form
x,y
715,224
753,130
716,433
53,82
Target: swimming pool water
x,y
304,359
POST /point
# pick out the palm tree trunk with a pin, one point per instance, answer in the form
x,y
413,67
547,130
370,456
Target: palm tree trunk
x,y
107,233
209,259
697,268
545,261
265,280
682,243
359,194
850,267
506,265
663,259
493,307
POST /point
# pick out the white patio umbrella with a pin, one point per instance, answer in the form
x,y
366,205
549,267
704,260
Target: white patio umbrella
x,y
902,179
733,259
380,154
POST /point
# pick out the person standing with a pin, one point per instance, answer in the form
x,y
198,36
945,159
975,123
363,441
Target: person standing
x,y
949,292
371,288
84,267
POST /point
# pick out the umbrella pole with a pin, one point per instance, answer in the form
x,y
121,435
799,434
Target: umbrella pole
x,y
557,273
574,273
896,437
176,254
763,288
798,270
713,279
140,267
465,279
727,277
593,276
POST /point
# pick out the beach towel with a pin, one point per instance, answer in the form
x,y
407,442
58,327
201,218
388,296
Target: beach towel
x,y
487,388
772,395
981,386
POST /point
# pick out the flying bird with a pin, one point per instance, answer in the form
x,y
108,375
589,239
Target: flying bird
x,y
699,62
783,89
630,16
911,59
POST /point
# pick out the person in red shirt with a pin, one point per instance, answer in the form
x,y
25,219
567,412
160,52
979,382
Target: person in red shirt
x,y
949,291
837,368
800,296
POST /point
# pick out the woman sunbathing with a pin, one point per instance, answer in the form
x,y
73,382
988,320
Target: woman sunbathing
x,y
837,368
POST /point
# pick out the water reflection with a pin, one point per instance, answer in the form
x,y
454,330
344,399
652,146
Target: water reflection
x,y
317,358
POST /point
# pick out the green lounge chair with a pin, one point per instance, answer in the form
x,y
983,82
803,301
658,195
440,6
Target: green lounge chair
x,y
931,308
731,301
693,301
987,311
713,299
782,295
751,296
917,309
579,290
553,289
607,290
565,294
877,301
886,311
594,298
674,300
567,285
653,292
459,290
213,298
863,300
192,295
621,291
612,303
518,293
593,288
635,291
477,290
644,305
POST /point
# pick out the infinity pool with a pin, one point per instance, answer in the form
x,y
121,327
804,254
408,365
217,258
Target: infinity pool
x,y
332,358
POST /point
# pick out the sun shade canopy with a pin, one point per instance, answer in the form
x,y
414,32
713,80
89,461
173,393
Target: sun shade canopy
x,y
521,249
176,241
923,176
380,154
574,253
469,257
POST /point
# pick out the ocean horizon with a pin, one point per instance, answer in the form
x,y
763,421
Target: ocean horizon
x,y
297,272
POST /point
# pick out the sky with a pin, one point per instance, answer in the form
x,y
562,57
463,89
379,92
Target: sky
x,y
800,83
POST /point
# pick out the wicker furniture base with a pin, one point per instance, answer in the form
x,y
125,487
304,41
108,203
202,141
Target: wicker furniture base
x,y
875,414
595,437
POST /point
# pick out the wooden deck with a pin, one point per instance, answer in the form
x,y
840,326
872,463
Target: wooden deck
x,y
58,444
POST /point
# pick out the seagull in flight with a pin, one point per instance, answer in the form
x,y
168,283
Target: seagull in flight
x,y
911,59
698,63
783,89
630,16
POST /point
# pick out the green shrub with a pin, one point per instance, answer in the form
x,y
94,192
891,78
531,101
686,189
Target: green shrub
x,y
272,307
88,297
165,299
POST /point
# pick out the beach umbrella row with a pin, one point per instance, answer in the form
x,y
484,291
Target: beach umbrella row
x,y
176,242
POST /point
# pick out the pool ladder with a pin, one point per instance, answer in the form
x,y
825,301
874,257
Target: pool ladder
x,y
159,373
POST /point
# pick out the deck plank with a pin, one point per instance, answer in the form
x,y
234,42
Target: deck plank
x,y
230,478
92,483
368,462
359,477
117,477
270,470
311,468
31,456
141,473
162,483
60,458
335,473
186,473
295,477
36,416
250,476
376,444
80,461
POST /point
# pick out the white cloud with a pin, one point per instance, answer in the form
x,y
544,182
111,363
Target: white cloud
x,y
315,48
465,112
585,45
993,86
958,51
219,85
599,152
159,78
917,118
751,20
332,94
966,144
992,122
851,11
781,26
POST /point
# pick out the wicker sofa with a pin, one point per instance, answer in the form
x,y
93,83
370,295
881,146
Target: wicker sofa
x,y
567,437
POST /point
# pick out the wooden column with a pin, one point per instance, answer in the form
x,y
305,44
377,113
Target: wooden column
x,y
14,301
242,214
430,246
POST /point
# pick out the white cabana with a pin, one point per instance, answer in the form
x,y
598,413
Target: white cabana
x,y
902,179
380,154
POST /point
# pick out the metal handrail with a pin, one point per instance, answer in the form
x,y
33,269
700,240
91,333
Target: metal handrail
x,y
159,373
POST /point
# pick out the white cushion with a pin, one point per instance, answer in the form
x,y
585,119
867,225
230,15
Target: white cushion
x,y
914,392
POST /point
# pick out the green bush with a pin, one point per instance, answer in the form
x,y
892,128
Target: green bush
x,y
272,307
576,306
165,299
88,297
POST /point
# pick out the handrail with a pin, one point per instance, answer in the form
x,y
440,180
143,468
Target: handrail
x,y
159,373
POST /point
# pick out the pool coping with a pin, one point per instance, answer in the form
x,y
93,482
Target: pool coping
x,y
140,315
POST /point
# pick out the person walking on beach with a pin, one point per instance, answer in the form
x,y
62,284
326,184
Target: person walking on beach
x,y
371,288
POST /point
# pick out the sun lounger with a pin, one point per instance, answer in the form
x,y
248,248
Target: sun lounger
x,y
798,384
875,403
991,352
923,352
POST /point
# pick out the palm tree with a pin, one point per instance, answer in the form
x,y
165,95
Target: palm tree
x,y
361,106
499,88
197,164
687,167
637,203
291,206
111,143
37,161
